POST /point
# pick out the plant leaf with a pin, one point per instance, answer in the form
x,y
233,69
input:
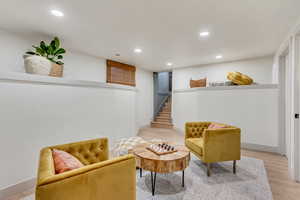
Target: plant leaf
x,y
43,46
40,51
30,53
51,59
53,46
59,51
59,63
50,50
57,42
60,57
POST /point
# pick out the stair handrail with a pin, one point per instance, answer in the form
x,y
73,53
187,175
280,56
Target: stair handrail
x,y
161,105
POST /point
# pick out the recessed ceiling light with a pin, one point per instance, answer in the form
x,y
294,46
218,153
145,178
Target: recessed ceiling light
x,y
219,56
169,64
57,13
137,50
205,34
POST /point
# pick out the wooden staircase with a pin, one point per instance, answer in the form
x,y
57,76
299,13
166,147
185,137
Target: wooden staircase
x,y
163,119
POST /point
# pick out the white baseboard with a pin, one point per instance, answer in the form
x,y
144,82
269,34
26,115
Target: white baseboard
x,y
259,147
17,188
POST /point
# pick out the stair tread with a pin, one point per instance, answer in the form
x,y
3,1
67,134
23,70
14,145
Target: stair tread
x,y
163,117
168,123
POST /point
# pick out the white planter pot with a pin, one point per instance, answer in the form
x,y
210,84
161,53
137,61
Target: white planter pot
x,y
37,65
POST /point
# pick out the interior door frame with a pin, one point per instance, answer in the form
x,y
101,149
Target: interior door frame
x,y
292,47
282,101
296,60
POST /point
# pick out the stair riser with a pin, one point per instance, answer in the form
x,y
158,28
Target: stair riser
x,y
161,126
165,112
163,118
163,121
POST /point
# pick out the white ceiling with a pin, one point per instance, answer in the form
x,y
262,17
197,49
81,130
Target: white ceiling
x,y
166,30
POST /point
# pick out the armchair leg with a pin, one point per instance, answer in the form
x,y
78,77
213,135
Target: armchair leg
x,y
208,169
234,166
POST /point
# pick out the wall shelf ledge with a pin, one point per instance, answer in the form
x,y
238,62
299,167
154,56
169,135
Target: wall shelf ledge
x,y
15,77
241,87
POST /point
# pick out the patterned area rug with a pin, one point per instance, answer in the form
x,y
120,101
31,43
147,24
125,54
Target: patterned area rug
x,y
249,183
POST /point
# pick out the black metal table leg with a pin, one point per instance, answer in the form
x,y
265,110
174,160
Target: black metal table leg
x,y
234,166
183,178
153,180
141,172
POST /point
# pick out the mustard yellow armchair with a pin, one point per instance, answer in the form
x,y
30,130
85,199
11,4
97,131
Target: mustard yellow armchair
x,y
213,145
99,179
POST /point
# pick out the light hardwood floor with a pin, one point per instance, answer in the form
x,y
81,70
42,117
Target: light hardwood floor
x,y
283,188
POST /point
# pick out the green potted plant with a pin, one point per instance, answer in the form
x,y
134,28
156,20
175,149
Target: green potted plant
x,y
46,59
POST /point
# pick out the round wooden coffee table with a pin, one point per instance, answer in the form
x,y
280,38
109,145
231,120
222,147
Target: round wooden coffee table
x,y
168,163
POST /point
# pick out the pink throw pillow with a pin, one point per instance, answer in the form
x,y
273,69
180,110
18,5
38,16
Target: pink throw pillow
x,y
64,161
216,126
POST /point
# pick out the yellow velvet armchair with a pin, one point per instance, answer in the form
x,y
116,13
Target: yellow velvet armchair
x,y
213,145
99,179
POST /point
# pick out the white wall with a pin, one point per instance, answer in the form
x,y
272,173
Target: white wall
x,y
260,69
37,115
255,111
163,82
77,66
144,97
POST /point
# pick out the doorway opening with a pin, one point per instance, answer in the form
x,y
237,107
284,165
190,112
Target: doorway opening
x,y
162,113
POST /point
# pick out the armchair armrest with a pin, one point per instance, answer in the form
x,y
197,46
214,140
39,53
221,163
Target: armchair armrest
x,y
82,170
110,179
221,144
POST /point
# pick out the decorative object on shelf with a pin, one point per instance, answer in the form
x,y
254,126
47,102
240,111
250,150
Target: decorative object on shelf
x,y
161,148
120,73
239,78
220,83
198,83
46,59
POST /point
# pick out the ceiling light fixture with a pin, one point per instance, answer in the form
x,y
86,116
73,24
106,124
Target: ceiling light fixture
x,y
219,56
137,50
205,34
169,64
57,13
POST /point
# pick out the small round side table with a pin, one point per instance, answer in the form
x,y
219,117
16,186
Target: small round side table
x,y
168,163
